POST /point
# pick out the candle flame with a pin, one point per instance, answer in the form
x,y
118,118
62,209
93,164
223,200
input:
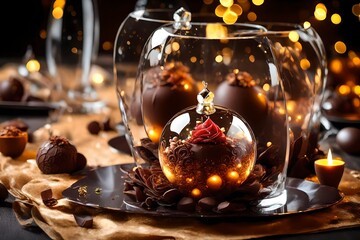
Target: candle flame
x,y
329,158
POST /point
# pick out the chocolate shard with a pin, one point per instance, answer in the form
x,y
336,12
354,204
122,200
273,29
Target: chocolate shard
x,y
85,221
140,196
227,206
46,194
172,195
145,154
206,204
47,198
186,204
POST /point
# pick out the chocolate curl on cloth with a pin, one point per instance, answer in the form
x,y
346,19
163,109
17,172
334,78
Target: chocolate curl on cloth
x,y
25,182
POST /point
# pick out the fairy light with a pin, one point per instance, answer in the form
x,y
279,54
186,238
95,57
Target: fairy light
x,y
226,3
340,47
335,18
33,65
305,64
307,24
220,10
320,12
252,16
236,9
344,89
175,46
258,2
230,17
107,45
57,13
356,10
336,66
294,36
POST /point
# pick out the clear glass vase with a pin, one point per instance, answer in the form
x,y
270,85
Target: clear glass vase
x,y
237,64
71,48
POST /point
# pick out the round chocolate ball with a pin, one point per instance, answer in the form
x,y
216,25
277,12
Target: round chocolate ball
x,y
11,90
249,102
57,155
348,140
94,127
161,103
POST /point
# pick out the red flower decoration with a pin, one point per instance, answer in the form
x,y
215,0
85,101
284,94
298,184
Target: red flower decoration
x,y
207,132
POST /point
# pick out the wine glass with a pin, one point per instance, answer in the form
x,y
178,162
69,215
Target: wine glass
x,y
303,68
238,67
71,47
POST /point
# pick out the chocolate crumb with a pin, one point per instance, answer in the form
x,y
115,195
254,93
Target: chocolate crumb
x,y
82,191
98,190
85,221
186,204
94,127
206,204
47,197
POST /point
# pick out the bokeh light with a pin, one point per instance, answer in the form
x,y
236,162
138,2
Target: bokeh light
x,y
336,18
340,47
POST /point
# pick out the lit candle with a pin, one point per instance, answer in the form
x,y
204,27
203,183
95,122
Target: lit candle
x,y
329,171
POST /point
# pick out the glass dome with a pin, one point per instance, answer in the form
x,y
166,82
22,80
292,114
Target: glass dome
x,y
237,63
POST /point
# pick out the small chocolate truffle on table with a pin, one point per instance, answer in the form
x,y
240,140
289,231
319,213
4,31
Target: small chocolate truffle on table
x,y
58,155
12,141
19,123
94,127
167,90
348,140
12,90
240,94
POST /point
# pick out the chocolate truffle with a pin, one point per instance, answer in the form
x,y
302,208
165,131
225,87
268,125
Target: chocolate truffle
x,y
11,90
348,140
166,91
240,94
12,141
18,123
58,155
94,127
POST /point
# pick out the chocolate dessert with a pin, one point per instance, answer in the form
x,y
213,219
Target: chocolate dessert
x,y
208,163
167,90
12,141
240,94
58,155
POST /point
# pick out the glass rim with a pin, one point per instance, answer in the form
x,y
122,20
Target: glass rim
x,y
253,31
288,26
139,15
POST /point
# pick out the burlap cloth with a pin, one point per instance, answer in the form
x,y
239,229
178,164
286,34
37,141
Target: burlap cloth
x,y
25,182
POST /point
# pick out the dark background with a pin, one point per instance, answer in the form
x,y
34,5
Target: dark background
x,y
22,21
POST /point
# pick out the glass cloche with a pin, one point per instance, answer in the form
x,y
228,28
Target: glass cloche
x,y
238,66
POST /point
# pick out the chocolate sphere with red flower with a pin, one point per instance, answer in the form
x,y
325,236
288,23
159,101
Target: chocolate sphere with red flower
x,y
207,150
